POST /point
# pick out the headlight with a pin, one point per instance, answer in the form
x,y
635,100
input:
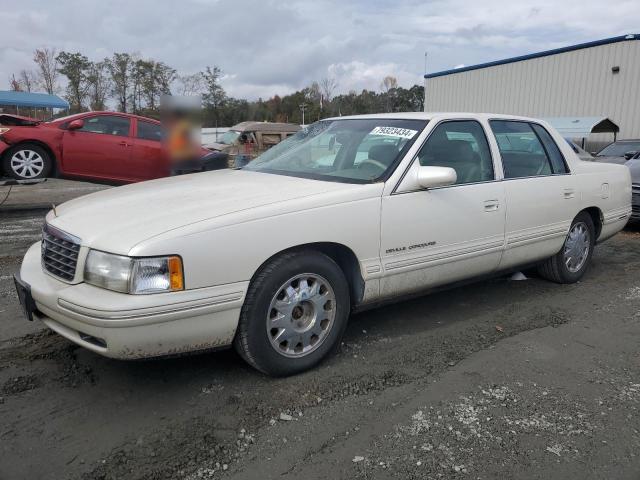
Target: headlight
x,y
134,275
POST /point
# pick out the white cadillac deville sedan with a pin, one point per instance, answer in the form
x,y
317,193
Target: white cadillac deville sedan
x,y
348,213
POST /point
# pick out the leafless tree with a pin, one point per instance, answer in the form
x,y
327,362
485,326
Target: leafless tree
x,y
327,87
314,94
191,84
14,84
388,83
389,87
27,80
47,61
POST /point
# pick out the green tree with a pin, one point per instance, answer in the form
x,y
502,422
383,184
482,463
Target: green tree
x,y
75,67
99,84
120,67
214,97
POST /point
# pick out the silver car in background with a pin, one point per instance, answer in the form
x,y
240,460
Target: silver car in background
x,y
634,166
618,152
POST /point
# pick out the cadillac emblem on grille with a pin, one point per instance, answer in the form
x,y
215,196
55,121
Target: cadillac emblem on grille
x,y
59,252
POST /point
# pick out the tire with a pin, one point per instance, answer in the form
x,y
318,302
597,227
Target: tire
x,y
27,161
569,265
276,329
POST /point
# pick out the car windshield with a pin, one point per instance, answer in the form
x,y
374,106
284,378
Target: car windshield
x,y
618,149
353,150
229,137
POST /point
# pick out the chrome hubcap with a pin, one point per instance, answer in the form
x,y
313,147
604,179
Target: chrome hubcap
x,y
27,163
576,247
301,315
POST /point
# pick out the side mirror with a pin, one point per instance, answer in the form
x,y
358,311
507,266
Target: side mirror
x,y
431,177
629,155
594,153
76,124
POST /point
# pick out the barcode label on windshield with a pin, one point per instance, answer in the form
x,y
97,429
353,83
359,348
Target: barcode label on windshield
x,y
394,132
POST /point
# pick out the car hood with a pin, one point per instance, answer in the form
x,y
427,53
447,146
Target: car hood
x,y
17,120
117,219
617,160
217,146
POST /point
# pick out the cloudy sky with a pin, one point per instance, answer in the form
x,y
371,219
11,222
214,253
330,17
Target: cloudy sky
x,y
266,47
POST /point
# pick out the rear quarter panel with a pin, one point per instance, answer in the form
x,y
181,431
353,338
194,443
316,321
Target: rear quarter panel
x,y
603,185
608,187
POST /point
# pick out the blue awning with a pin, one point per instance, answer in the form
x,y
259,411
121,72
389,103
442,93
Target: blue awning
x,y
33,100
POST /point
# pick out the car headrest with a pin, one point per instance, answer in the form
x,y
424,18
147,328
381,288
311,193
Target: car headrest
x,y
460,151
383,153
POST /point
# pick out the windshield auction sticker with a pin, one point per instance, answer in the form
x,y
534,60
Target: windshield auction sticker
x,y
394,132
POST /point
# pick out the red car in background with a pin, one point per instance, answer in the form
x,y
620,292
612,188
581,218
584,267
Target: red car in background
x,y
104,146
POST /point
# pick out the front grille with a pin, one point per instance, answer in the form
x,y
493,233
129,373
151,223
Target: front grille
x,y
59,252
635,188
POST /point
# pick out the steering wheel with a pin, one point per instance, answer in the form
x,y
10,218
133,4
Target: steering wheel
x,y
376,163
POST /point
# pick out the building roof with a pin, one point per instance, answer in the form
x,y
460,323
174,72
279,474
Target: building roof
x,y
546,53
581,127
27,99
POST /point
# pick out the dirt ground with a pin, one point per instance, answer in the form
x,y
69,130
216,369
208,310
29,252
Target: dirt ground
x,y
499,379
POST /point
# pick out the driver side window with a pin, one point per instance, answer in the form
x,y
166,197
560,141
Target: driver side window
x,y
461,145
107,125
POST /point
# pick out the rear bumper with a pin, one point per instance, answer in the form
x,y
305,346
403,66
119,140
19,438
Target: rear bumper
x,y
125,326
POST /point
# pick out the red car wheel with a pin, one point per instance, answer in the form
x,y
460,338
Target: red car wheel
x,y
27,162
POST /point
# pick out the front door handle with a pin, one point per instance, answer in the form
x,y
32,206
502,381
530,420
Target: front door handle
x,y
491,205
125,144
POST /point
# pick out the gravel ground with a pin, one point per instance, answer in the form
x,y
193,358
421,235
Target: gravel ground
x,y
499,379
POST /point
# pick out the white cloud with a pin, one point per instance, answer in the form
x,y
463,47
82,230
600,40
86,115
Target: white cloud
x,y
267,47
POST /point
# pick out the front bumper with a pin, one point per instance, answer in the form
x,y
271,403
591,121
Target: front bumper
x,y
126,326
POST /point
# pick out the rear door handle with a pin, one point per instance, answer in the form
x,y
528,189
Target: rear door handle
x,y
491,205
125,144
569,193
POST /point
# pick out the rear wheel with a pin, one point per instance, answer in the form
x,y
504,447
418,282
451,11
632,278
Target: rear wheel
x,y
572,261
295,313
27,162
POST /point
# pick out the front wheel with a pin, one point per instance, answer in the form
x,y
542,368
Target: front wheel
x,y
27,162
572,261
295,313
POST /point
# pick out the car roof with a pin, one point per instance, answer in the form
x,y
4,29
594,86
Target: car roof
x,y
431,115
265,127
106,112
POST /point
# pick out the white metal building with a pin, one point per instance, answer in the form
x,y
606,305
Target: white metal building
x,y
595,79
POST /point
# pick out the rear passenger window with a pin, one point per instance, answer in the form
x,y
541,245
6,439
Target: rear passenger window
x,y
553,152
149,131
523,155
461,145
